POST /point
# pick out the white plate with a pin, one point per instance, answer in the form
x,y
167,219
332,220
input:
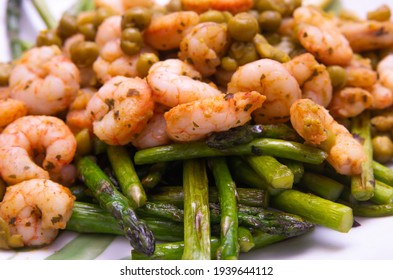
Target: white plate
x,y
372,240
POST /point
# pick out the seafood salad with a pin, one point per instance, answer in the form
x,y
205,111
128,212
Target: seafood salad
x,y
195,129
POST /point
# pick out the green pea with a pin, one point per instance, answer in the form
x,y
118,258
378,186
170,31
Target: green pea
x,y
68,26
243,27
243,52
265,50
144,62
228,63
269,20
212,16
131,41
48,38
290,6
382,148
382,13
83,54
273,38
88,30
270,5
338,76
137,17
86,17
174,6
348,15
254,13
84,144
5,72
227,15
101,15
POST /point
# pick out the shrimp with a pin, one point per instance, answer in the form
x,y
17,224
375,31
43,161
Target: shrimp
x,y
360,73
122,65
154,133
383,122
312,77
317,127
77,117
166,32
174,82
385,71
120,109
196,120
112,61
108,31
319,35
30,138
45,80
367,35
204,46
382,88
4,92
233,6
349,102
36,210
271,79
10,110
382,97
364,89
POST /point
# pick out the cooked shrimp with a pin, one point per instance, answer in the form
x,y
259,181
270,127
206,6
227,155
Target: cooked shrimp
x,y
317,127
154,133
45,80
204,46
368,34
360,73
121,65
196,120
74,39
36,209
10,110
108,31
4,92
233,6
319,35
385,71
312,77
77,117
382,97
166,32
383,122
174,82
112,61
29,138
271,79
349,102
120,109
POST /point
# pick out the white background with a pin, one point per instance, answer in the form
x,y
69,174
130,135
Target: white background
x,y
372,240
